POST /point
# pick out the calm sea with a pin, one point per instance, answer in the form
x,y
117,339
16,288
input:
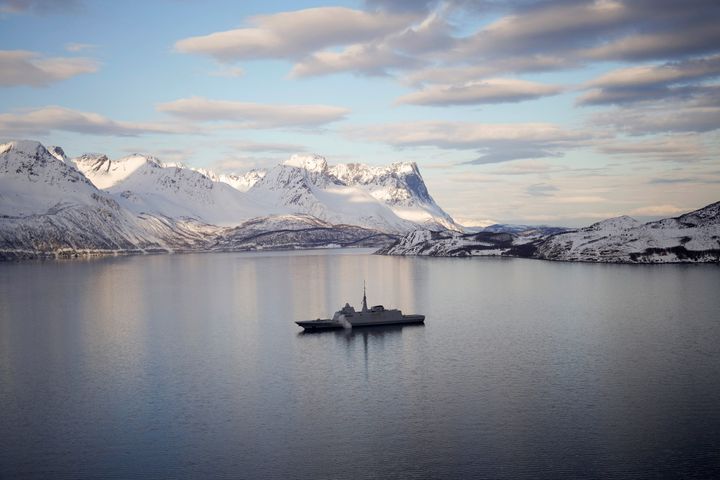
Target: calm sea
x,y
190,366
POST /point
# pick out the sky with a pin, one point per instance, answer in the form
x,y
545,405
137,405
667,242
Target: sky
x,y
558,112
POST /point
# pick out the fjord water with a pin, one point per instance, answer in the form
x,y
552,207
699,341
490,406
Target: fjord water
x,y
189,366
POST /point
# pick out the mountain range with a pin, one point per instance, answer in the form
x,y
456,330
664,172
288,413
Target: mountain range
x,y
55,206
52,205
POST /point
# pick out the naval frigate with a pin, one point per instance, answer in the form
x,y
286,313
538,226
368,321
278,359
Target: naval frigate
x,y
348,317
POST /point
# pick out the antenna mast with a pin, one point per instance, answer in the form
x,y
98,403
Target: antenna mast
x,y
364,307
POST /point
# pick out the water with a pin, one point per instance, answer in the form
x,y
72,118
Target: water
x,y
189,366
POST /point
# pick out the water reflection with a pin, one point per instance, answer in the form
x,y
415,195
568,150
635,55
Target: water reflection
x,y
191,367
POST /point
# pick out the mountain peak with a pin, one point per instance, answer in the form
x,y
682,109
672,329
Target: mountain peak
x,y
141,157
617,223
311,163
406,167
23,146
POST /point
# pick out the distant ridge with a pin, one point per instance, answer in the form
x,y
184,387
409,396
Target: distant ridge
x,y
690,238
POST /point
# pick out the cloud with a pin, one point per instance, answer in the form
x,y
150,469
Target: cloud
x,y
702,37
674,115
666,74
253,115
368,59
462,135
651,81
468,73
602,30
294,34
401,5
530,36
21,67
494,90
546,26
677,148
394,51
266,147
428,5
495,142
42,121
541,190
512,152
682,180
240,163
527,167
39,6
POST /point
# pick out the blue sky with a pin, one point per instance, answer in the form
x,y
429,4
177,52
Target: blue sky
x,y
557,111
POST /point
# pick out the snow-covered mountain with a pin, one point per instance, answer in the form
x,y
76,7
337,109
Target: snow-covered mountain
x,y
693,237
143,184
239,182
390,199
51,205
47,205
451,244
289,231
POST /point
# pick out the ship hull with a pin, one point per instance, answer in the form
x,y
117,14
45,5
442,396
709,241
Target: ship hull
x,y
320,324
362,321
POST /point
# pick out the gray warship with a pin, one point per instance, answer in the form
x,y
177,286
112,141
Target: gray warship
x,y
347,317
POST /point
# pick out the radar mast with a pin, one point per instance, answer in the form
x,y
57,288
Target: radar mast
x,y
364,306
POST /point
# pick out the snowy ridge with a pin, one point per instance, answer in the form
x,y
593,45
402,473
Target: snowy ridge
x,y
32,180
693,237
296,231
238,182
453,244
143,184
690,238
391,199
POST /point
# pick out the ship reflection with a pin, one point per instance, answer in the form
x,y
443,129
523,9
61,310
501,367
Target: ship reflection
x,y
379,336
379,331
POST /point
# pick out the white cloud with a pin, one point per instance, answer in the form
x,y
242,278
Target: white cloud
x,y
645,82
21,67
494,142
468,73
253,115
270,147
492,90
367,59
702,37
679,148
673,116
669,73
294,34
464,135
42,121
